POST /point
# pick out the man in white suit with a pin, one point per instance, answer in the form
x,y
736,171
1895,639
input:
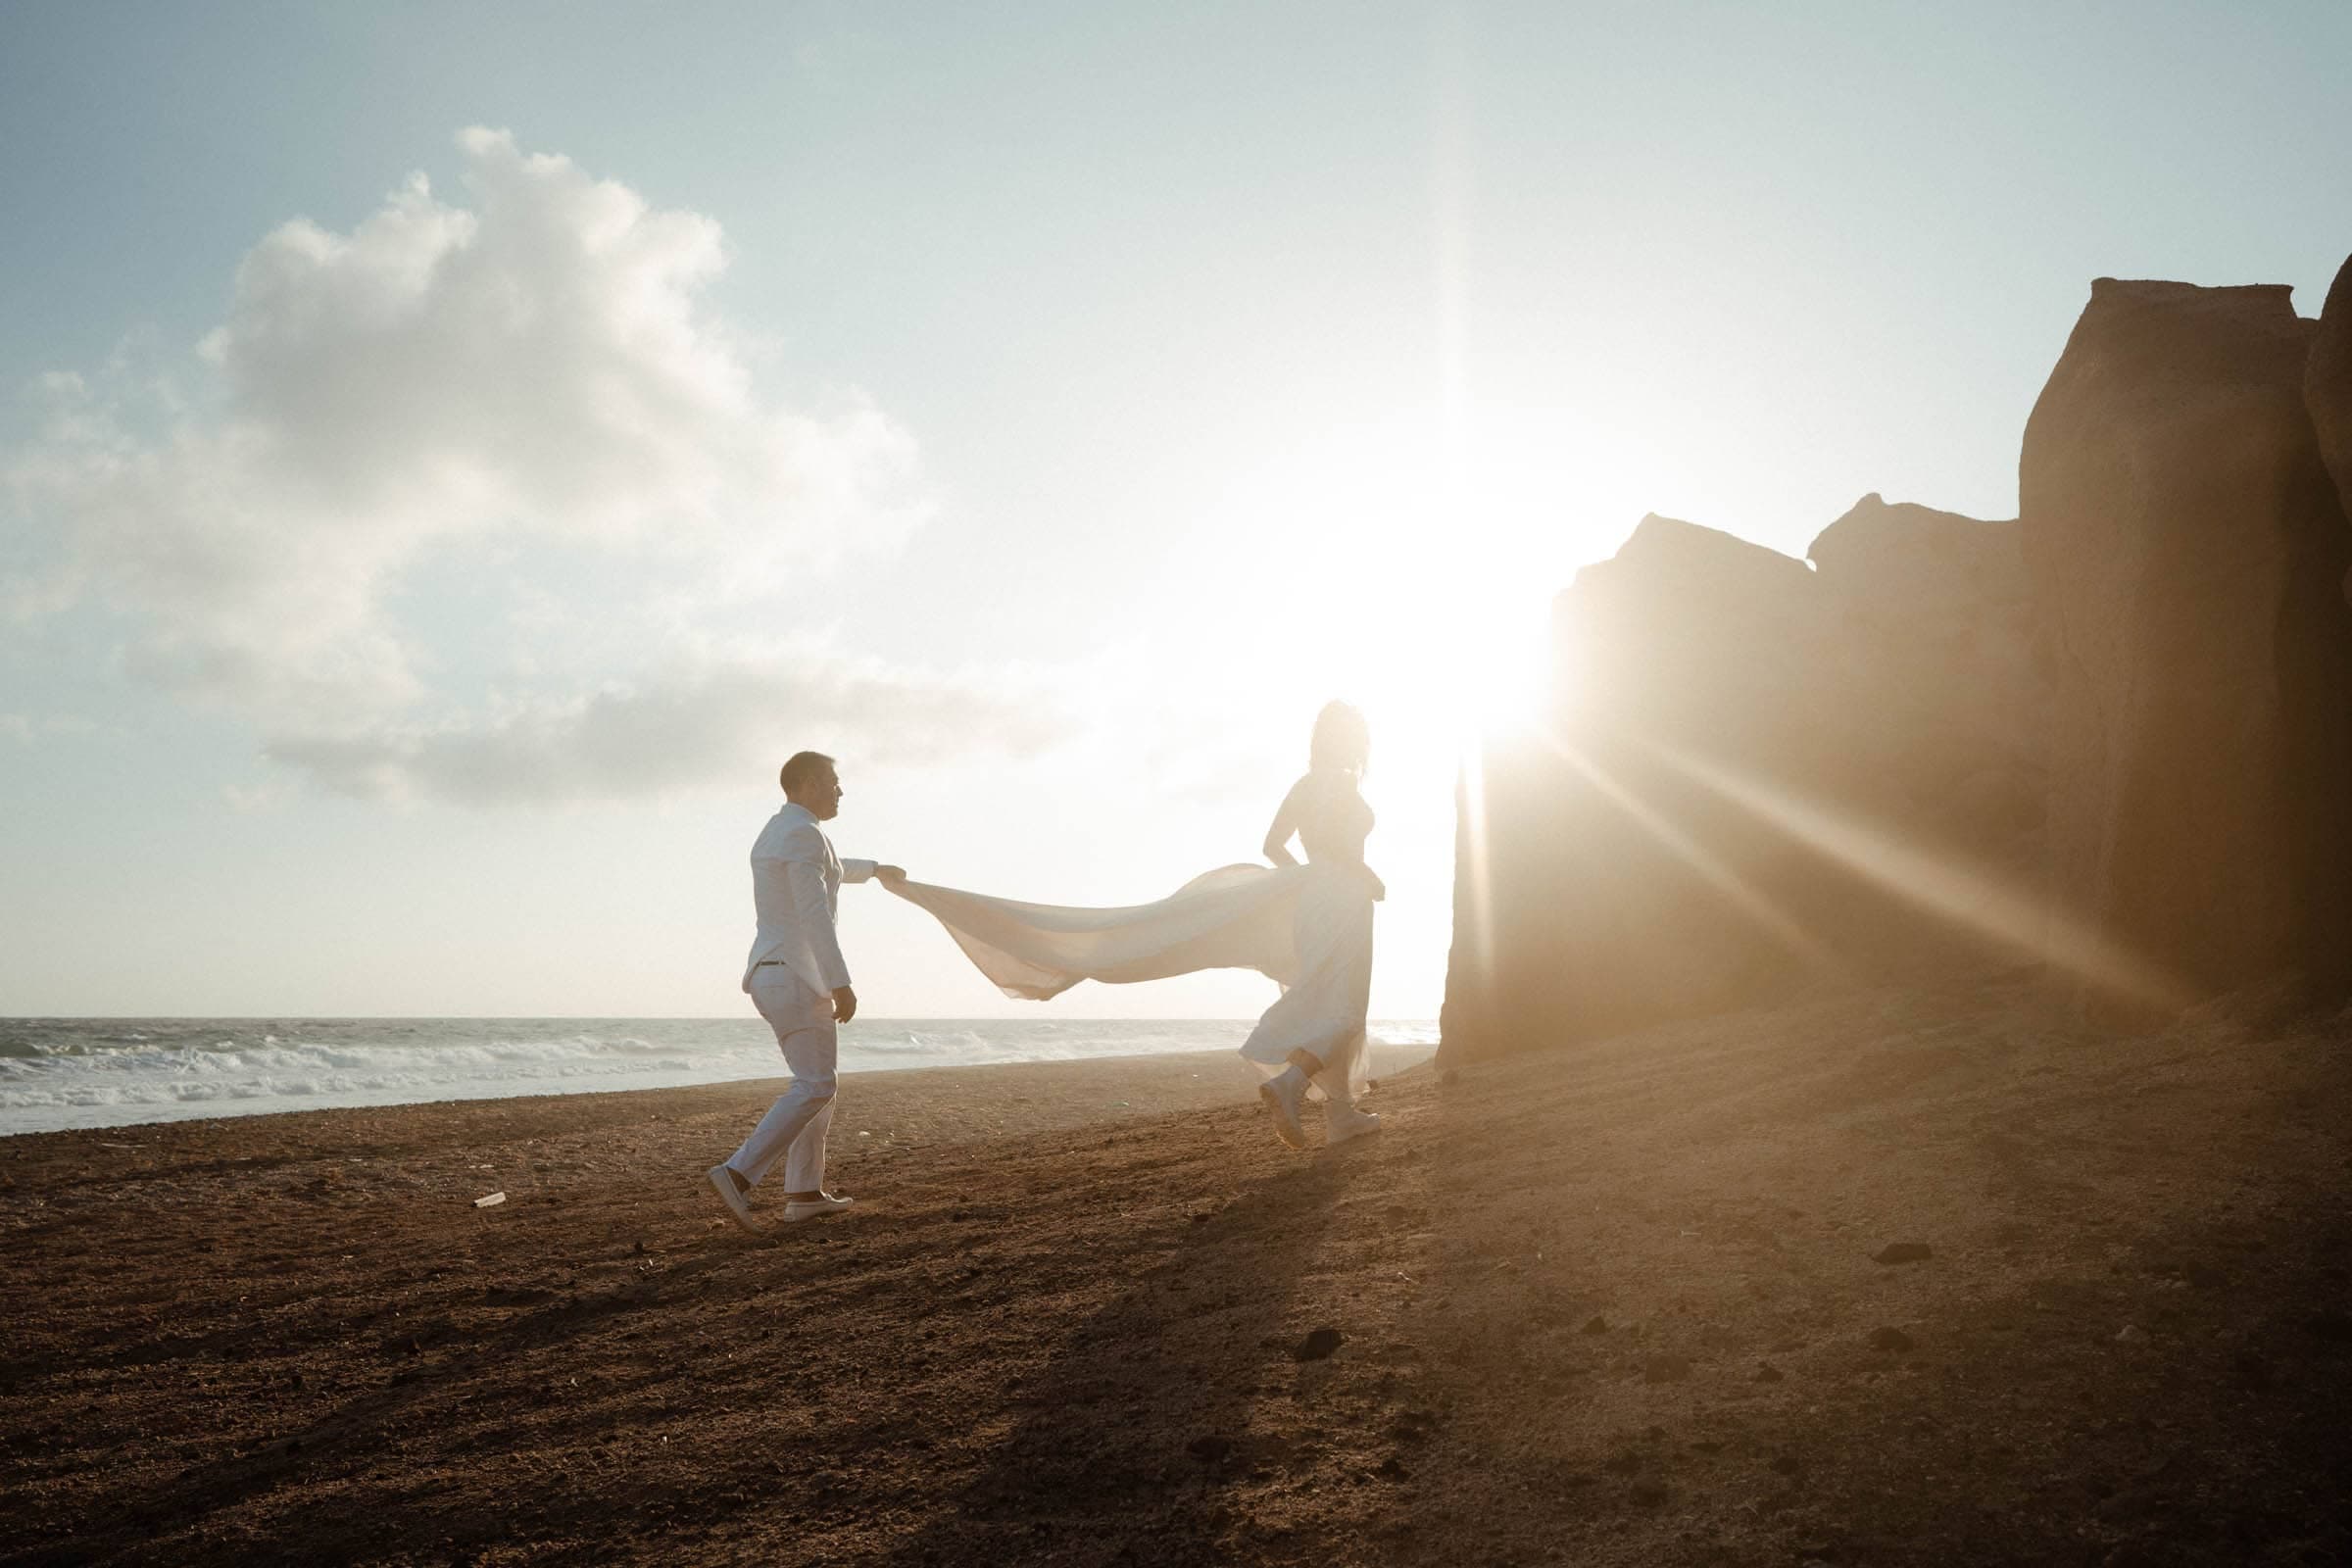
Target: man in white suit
x,y
801,986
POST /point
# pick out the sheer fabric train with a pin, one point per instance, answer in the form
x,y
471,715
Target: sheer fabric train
x,y
1299,921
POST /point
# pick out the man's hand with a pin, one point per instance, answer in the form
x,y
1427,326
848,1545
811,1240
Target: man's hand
x,y
844,1004
891,875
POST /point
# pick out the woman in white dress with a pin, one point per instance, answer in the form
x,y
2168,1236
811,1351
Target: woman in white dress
x,y
1314,1032
1308,927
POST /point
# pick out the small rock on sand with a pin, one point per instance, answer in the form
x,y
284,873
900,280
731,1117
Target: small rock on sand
x,y
1904,1252
1766,1372
1596,1325
1211,1449
1889,1339
1318,1344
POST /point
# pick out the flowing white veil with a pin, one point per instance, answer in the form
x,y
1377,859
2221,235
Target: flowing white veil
x,y
1235,917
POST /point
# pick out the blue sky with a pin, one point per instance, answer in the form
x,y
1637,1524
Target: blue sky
x,y
1043,407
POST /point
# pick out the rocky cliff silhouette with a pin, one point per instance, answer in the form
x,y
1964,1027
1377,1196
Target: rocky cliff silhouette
x,y
2110,740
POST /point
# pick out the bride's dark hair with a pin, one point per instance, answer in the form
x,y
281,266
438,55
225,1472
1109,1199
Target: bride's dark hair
x,y
1342,739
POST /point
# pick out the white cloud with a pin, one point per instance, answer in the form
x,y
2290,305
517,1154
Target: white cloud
x,y
536,366
727,718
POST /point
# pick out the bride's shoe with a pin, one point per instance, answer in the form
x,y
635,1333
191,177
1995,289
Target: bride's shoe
x,y
1343,1121
1284,1094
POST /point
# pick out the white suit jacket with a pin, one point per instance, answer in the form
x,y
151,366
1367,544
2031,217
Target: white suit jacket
x,y
795,889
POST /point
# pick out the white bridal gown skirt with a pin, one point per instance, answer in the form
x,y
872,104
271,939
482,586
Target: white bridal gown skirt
x,y
1306,927
1322,1012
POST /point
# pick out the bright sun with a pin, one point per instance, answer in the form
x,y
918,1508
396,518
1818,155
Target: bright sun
x,y
1409,564
1413,576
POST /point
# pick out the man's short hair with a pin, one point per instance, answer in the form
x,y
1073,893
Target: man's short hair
x,y
801,767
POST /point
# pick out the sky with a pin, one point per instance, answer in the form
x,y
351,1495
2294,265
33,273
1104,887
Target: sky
x,y
451,455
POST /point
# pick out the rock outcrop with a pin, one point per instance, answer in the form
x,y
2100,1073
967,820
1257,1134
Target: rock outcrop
x,y
1691,633
1649,852
2328,384
2113,737
1597,887
1942,707
2186,546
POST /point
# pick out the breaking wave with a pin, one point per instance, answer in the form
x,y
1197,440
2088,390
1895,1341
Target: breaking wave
x,y
63,1073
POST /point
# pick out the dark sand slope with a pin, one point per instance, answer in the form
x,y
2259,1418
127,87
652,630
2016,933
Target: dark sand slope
x,y
1561,1278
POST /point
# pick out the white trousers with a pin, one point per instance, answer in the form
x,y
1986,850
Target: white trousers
x,y
794,1126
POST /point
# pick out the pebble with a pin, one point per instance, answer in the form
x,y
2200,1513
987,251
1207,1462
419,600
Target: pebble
x,y
1318,1344
1889,1339
1904,1252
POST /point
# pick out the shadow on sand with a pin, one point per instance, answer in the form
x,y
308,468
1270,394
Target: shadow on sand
x,y
1132,1446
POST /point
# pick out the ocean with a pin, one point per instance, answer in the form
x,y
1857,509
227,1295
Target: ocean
x,y
112,1072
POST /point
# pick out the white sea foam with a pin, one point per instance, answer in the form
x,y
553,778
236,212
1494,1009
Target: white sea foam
x,y
63,1073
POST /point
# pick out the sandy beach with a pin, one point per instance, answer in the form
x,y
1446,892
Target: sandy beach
x,y
1616,1304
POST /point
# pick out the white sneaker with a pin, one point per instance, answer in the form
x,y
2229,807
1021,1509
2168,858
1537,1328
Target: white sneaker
x,y
1284,1094
1343,1122
800,1208
722,1181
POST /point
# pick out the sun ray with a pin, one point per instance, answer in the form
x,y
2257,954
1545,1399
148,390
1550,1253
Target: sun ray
x,y
1744,895
1475,868
1963,895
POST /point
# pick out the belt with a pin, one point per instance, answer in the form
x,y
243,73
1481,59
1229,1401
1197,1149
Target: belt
x,y
773,964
